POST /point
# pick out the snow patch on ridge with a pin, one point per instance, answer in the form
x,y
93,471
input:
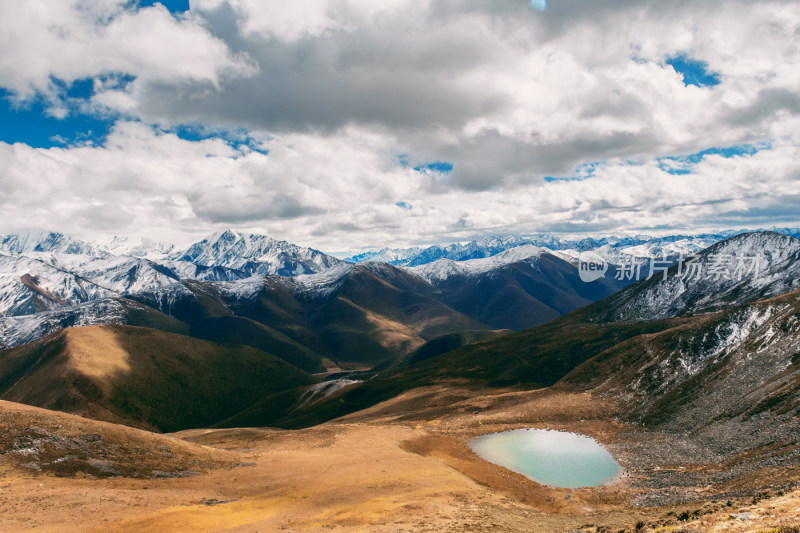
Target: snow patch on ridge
x,y
443,269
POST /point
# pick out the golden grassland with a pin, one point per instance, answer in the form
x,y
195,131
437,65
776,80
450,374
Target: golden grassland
x,y
401,466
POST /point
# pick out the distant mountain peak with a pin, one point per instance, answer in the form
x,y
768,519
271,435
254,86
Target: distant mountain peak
x,y
441,269
36,241
256,254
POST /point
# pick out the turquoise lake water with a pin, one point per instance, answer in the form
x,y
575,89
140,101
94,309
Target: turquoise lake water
x,y
548,457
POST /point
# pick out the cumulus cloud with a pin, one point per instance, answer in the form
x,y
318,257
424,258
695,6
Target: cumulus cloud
x,y
48,40
344,98
466,79
346,191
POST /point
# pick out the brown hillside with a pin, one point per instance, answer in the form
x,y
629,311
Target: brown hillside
x,y
142,377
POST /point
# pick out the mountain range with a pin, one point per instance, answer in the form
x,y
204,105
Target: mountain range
x,y
322,315
638,245
310,308
49,281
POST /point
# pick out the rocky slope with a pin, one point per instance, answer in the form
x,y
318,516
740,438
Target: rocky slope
x,y
744,268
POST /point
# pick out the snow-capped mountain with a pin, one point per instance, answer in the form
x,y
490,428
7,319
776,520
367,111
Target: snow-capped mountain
x,y
641,254
479,249
724,382
657,248
127,275
30,285
393,256
45,241
45,271
748,267
48,281
131,247
615,249
515,288
256,254
442,269
17,330
42,271
486,247
328,282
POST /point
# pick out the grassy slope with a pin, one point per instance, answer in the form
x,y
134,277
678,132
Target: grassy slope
x,y
578,355
142,377
38,440
147,317
369,319
212,319
531,359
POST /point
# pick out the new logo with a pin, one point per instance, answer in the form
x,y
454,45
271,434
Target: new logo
x,y
591,267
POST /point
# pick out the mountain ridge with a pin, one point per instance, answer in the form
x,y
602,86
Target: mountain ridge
x,y
308,318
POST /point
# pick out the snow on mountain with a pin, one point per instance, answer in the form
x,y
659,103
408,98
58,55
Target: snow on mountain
x,y
483,248
793,232
166,299
48,281
241,290
141,247
37,242
17,330
29,285
127,275
256,254
393,256
44,272
748,267
323,282
658,248
186,270
45,241
615,249
442,269
328,281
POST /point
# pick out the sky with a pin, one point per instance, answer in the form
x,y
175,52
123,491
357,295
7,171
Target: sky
x,y
356,124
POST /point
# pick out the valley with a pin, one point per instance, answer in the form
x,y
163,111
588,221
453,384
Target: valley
x,y
346,399
516,266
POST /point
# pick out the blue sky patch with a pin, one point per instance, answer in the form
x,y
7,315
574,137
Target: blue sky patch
x,y
174,6
30,123
684,164
694,72
60,118
553,179
440,167
403,205
238,138
539,5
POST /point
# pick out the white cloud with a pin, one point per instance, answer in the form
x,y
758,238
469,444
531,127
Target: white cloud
x,y
75,39
340,191
339,89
